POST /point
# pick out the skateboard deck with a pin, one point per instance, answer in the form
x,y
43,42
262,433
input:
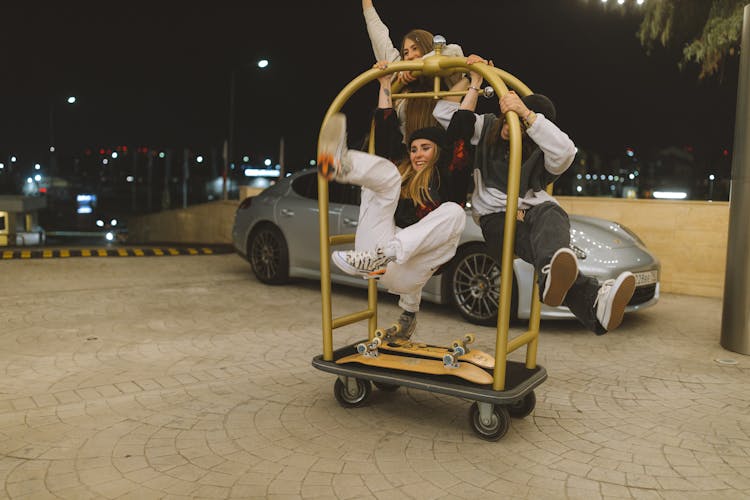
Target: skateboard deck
x,y
466,371
477,357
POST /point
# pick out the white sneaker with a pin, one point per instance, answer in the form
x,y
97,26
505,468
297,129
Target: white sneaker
x,y
365,264
612,298
561,272
332,148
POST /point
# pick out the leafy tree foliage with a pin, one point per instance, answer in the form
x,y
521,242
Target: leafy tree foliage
x,y
708,31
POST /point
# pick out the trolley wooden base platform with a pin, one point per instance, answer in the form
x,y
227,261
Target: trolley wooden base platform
x,y
490,413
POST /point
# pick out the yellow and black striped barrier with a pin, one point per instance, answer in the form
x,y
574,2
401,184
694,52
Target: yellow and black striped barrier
x,y
112,252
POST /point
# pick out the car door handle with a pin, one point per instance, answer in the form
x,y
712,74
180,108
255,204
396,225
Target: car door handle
x,y
287,212
350,222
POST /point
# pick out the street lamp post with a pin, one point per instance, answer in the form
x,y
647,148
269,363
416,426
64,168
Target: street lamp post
x,y
52,147
229,146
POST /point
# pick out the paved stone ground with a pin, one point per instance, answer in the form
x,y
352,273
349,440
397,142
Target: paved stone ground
x,y
183,377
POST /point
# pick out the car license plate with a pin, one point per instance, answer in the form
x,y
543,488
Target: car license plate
x,y
645,278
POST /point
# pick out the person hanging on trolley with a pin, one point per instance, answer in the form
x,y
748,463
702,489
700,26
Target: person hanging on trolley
x,y
542,226
417,43
411,217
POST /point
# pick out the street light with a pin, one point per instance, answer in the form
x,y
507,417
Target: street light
x,y
229,150
53,160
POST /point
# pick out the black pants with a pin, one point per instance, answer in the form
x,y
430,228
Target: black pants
x,y
544,230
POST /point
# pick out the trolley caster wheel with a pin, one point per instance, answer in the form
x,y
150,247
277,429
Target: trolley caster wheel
x,y
523,407
352,394
386,387
495,424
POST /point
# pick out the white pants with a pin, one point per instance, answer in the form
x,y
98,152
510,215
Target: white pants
x,y
420,248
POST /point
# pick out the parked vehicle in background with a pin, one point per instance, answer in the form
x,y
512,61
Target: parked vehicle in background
x,y
277,232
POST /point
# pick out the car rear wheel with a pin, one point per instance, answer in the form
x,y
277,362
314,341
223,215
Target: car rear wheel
x,y
268,254
473,285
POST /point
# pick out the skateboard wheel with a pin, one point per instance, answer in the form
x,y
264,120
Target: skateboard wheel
x,y
361,348
376,342
469,338
456,344
448,360
379,333
458,351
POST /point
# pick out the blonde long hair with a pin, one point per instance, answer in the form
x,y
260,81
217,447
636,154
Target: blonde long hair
x,y
415,185
417,113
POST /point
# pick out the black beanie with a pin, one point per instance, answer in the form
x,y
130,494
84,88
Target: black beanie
x,y
539,103
434,134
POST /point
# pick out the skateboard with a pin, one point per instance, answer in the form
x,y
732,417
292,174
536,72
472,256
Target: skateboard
x,y
458,351
466,371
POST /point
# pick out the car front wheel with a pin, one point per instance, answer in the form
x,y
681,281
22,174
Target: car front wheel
x,y
268,254
473,285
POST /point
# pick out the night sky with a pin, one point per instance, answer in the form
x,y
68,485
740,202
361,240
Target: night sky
x,y
159,76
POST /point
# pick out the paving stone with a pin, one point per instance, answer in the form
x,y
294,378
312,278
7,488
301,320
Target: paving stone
x,y
175,399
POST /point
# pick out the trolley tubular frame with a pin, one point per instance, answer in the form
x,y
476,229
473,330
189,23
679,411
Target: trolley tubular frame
x,y
439,66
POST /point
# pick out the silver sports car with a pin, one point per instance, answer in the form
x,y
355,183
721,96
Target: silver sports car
x,y
277,231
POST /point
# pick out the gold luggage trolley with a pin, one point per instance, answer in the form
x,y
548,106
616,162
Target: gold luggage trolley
x,y
511,391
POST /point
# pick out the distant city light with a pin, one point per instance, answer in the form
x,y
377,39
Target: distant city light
x,y
85,198
37,166
13,159
579,176
2,166
267,162
105,161
129,178
630,152
199,159
110,236
312,163
246,158
620,2
29,180
113,222
37,177
579,188
261,172
639,2
99,223
711,177
162,154
85,209
52,149
263,63
71,100
588,177
670,195
631,176
114,154
595,177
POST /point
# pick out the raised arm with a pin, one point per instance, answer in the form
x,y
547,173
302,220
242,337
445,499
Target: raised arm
x,y
469,101
559,150
382,46
388,137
